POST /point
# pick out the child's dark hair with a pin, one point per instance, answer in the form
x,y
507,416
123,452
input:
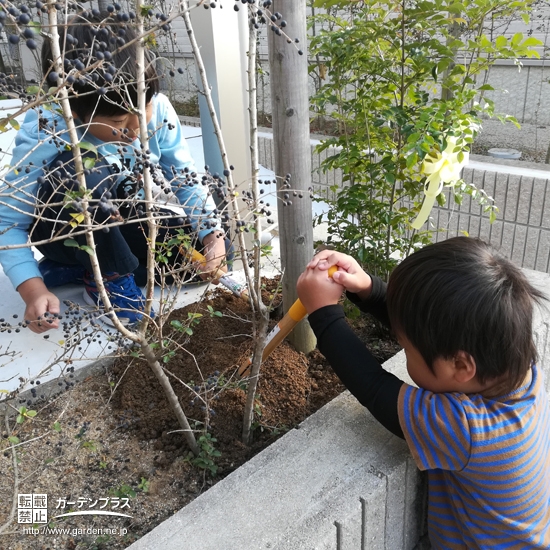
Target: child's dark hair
x,y
460,294
110,89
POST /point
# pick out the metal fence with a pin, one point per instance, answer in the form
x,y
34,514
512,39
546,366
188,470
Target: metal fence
x,y
521,230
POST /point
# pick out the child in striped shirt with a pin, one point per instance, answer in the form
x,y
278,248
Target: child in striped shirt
x,y
479,420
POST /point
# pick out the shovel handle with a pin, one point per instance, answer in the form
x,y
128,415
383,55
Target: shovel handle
x,y
283,328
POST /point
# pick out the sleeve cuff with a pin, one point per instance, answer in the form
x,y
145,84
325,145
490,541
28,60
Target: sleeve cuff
x,y
378,292
23,272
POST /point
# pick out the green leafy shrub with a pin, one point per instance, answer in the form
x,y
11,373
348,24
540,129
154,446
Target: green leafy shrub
x,y
403,83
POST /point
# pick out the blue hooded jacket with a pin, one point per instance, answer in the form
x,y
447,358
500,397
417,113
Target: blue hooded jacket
x,y
37,146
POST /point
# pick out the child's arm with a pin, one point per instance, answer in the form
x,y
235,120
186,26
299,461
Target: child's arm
x,y
174,158
33,150
375,388
42,305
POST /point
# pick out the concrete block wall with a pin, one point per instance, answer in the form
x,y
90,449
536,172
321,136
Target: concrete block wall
x,y
541,324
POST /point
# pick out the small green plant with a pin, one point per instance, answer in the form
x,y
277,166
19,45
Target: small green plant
x,y
84,442
205,459
192,320
25,414
90,445
124,491
143,485
214,313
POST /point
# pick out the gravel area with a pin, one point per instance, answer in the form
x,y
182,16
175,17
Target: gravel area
x,y
532,140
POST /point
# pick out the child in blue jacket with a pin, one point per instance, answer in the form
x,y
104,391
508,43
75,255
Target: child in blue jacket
x,y
103,105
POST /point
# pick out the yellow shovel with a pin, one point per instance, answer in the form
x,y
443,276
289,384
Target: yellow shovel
x,y
283,328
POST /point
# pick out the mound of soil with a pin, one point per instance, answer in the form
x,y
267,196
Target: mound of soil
x,y
117,438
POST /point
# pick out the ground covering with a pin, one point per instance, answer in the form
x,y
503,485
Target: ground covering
x,y
113,436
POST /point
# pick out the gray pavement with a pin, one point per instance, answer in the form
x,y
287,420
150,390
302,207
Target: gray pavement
x,y
532,140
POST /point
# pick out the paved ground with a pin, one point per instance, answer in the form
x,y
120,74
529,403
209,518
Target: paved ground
x,y
531,139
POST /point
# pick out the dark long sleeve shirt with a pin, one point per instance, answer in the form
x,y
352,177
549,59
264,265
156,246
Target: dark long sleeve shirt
x,y
359,371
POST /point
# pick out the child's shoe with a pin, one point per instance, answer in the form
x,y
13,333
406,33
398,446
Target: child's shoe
x,y
58,274
126,297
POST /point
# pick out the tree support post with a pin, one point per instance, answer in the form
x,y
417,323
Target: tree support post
x,y
290,108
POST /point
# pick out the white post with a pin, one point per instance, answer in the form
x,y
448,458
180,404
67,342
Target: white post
x,y
222,35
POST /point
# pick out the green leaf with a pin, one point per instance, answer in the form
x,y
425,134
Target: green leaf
x,y
516,39
13,439
532,41
57,426
87,249
89,163
31,413
412,159
501,42
177,325
86,145
71,243
15,124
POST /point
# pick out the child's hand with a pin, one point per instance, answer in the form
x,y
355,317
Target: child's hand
x,y
350,274
214,252
42,305
316,289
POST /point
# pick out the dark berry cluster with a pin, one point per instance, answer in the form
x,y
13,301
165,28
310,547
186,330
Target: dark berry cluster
x,y
260,14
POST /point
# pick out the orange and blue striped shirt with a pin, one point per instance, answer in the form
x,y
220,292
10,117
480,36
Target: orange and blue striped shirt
x,y
488,463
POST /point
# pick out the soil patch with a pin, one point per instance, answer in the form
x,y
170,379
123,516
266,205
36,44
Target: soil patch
x,y
112,442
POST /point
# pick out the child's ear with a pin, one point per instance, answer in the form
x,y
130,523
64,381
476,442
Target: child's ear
x,y
464,367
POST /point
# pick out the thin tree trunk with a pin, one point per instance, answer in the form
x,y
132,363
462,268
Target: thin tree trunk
x,y
290,108
171,396
261,319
